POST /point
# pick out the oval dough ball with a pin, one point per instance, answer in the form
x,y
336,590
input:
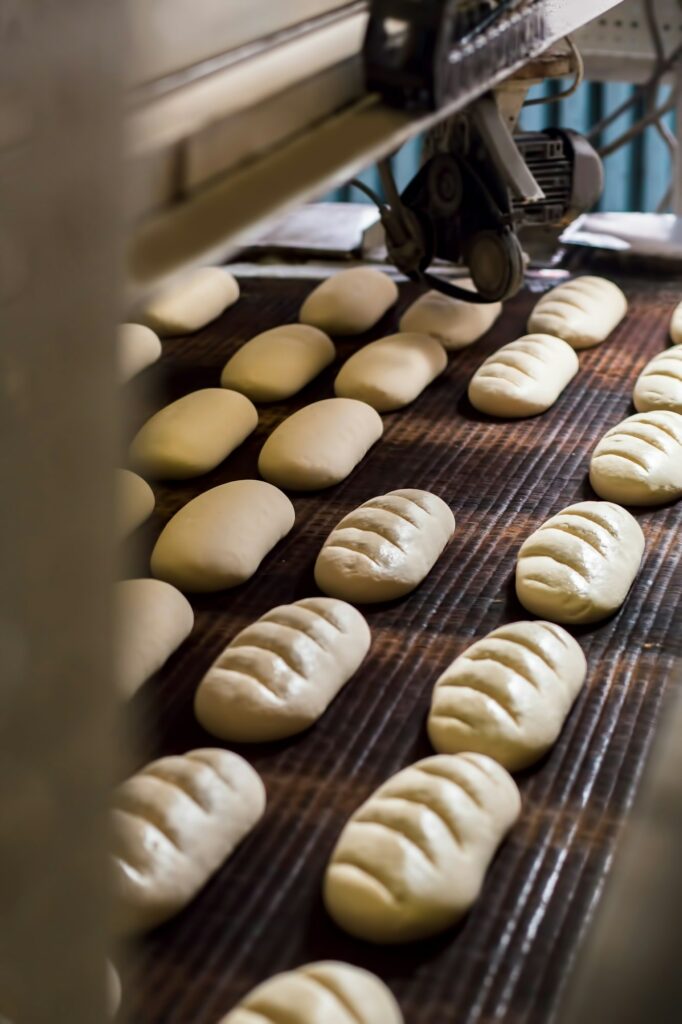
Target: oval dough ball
x,y
323,993
193,301
455,324
174,823
153,619
523,378
276,364
583,312
135,501
138,347
659,385
412,859
384,548
219,539
280,674
508,695
193,434
350,301
639,462
580,564
320,445
676,325
391,372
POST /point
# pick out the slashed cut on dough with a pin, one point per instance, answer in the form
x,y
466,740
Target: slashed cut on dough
x,y
523,378
412,859
508,694
385,548
454,323
583,312
639,461
659,385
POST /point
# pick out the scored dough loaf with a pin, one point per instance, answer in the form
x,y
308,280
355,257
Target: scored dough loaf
x,y
508,694
659,385
523,378
193,434
218,539
279,675
454,323
327,992
276,364
384,548
135,501
411,860
174,824
390,373
639,462
138,347
579,566
676,325
350,301
193,301
583,312
319,445
152,620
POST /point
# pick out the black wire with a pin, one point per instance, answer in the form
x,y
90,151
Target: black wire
x,y
369,192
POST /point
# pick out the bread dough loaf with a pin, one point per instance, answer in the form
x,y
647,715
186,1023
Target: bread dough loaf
x,y
659,385
219,539
639,462
391,372
138,347
583,312
320,445
193,301
384,548
580,564
523,378
152,620
350,301
453,322
135,501
508,694
323,993
276,364
676,325
174,824
193,434
412,859
280,674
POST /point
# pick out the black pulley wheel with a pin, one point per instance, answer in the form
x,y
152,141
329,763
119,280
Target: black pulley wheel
x,y
495,262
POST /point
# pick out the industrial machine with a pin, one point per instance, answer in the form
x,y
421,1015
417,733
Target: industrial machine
x,y
139,139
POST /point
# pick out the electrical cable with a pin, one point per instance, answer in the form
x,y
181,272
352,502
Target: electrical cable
x,y
652,82
578,78
369,192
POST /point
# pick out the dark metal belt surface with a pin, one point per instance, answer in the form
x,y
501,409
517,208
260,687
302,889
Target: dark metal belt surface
x,y
262,913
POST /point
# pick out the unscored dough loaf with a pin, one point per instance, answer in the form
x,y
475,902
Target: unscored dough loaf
x,y
350,301
322,993
579,565
384,548
152,620
583,312
391,372
138,347
412,859
279,674
320,445
676,325
454,323
193,301
639,461
193,434
276,364
523,378
135,500
219,539
659,385
508,694
174,823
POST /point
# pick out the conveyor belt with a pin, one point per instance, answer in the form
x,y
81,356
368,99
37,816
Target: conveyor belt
x,y
262,913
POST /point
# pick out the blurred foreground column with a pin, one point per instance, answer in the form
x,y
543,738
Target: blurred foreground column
x,y
60,147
